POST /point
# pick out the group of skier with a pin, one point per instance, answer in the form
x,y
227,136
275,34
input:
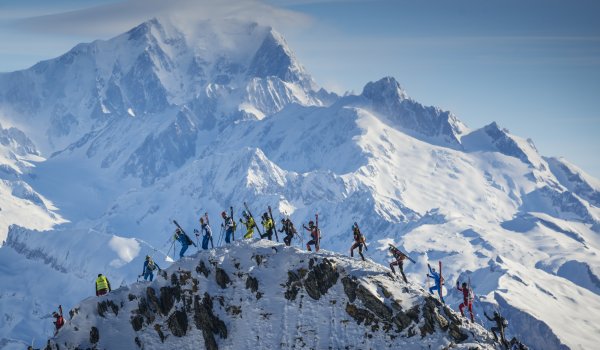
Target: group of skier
x,y
228,228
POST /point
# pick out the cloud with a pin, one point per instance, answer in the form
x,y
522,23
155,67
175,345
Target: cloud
x,y
112,19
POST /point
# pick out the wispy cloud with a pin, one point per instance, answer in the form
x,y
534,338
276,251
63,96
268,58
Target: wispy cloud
x,y
111,19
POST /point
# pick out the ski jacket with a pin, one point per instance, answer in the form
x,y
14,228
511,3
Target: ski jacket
x,y
358,237
288,227
250,224
398,255
313,232
102,283
183,238
228,223
467,293
500,321
267,224
60,321
206,230
435,276
149,267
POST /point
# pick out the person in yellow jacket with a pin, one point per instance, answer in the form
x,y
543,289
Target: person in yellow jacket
x,y
102,285
249,223
269,227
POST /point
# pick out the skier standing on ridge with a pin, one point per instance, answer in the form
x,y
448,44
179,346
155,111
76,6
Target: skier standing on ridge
x,y
60,321
467,299
399,261
315,235
149,267
289,229
359,241
501,324
438,282
249,223
228,225
102,285
269,226
205,228
184,239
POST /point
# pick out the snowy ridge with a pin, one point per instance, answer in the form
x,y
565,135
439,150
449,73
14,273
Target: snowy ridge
x,y
264,295
171,121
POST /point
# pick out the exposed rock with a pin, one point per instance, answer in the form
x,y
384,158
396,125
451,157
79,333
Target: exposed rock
x,y
138,342
320,278
131,297
222,278
161,335
178,323
94,335
432,317
103,307
153,303
167,298
137,322
360,315
252,284
372,303
350,286
205,320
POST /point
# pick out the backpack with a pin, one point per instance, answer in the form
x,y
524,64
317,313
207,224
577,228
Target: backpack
x,y
151,266
188,240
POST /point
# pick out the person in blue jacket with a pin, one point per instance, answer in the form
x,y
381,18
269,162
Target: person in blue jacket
x,y
149,267
437,282
184,240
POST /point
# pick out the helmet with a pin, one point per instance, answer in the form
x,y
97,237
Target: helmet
x,y
496,314
147,257
433,269
265,215
178,230
391,249
245,213
311,223
54,314
464,284
201,220
223,214
283,221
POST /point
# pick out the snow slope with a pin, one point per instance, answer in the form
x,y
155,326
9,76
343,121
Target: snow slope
x,y
264,295
169,122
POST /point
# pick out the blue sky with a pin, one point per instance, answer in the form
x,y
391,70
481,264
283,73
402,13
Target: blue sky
x,y
531,66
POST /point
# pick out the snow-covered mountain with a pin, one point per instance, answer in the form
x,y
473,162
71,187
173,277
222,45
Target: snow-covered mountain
x,y
264,295
171,121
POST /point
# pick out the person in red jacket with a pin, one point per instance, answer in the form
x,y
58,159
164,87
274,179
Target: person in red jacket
x,y
467,299
60,321
314,234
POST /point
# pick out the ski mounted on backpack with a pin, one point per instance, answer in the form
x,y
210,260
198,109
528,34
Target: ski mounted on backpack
x,y
318,232
362,238
401,252
186,235
273,221
252,216
234,223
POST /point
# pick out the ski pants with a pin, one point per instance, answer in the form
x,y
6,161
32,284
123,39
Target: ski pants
x,y
205,240
312,242
439,289
359,246
228,235
288,239
249,233
268,234
469,306
149,274
400,265
184,247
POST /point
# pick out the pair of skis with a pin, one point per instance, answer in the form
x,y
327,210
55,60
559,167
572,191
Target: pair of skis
x,y
401,252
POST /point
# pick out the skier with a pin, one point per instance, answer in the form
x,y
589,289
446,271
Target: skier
x,y
228,225
249,223
501,324
289,229
205,228
183,239
60,321
359,241
269,226
149,267
399,256
315,235
467,299
102,285
437,281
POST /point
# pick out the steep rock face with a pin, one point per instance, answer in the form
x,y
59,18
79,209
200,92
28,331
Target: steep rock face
x,y
575,180
338,303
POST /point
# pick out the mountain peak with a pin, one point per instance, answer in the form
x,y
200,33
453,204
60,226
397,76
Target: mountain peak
x,y
384,90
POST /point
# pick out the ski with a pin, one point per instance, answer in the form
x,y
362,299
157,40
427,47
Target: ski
x,y
441,291
183,231
318,232
234,223
408,257
252,216
274,228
